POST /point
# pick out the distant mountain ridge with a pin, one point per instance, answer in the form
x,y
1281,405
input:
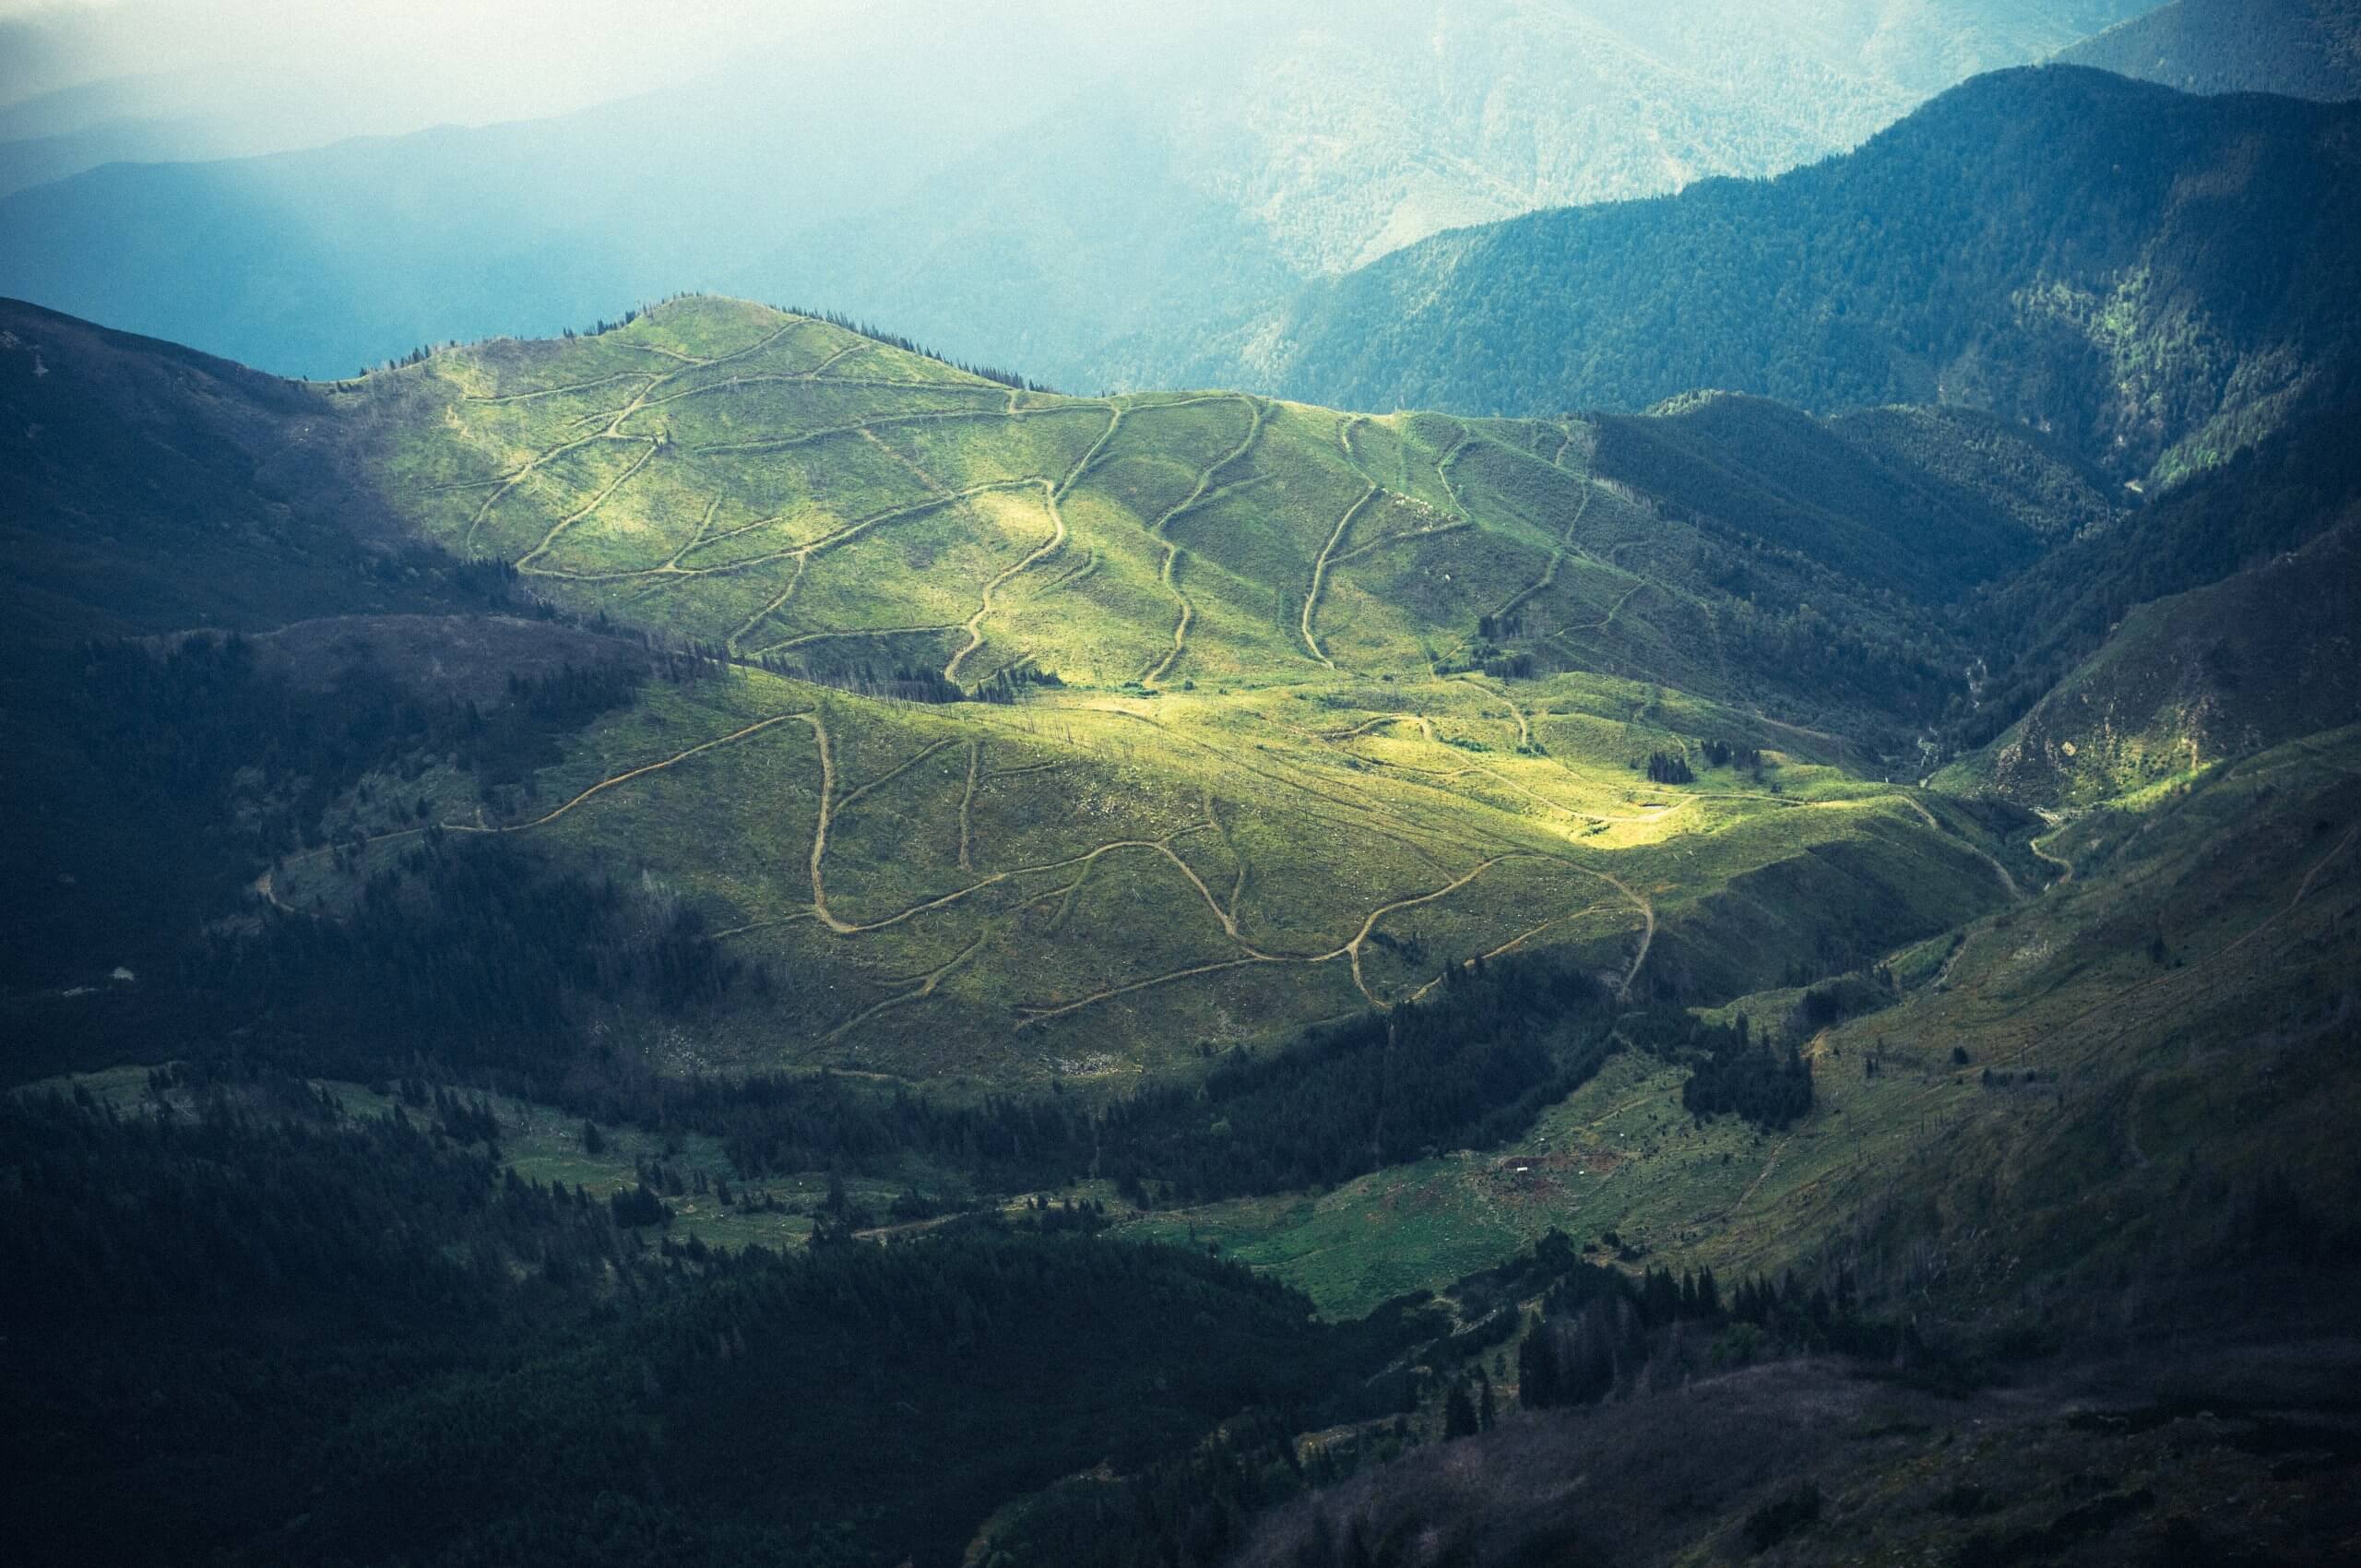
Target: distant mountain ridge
x,y
2303,48
2146,274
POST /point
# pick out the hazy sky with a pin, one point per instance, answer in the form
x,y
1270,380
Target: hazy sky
x,y
400,64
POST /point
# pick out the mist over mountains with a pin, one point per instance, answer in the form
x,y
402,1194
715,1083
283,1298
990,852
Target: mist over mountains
x,y
952,173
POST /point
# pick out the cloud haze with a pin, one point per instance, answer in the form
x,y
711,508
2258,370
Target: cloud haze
x,y
390,65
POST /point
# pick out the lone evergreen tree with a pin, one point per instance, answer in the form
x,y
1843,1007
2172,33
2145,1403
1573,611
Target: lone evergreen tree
x,y
1536,1367
1458,1412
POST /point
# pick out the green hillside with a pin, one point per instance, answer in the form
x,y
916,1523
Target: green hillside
x,y
1267,787
1253,771
961,732
1011,736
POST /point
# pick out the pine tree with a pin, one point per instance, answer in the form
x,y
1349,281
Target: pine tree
x,y
1458,1413
1536,1367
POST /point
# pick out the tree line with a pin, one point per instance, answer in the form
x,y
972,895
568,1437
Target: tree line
x,y
360,1325
485,960
1471,1066
895,340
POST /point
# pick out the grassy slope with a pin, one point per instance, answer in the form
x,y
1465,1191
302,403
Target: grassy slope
x,y
2248,873
1092,882
780,487
1248,780
1290,818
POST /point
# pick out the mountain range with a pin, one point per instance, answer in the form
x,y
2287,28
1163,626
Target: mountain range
x,y
1668,882
2149,277
1229,151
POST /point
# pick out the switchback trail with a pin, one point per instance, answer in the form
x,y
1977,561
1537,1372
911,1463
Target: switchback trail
x,y
1161,530
267,885
975,625
1565,547
1344,524
2007,881
2065,867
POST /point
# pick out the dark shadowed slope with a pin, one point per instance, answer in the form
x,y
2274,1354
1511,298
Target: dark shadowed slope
x,y
152,488
2302,48
2260,659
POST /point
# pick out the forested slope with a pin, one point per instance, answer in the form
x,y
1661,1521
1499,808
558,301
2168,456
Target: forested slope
x,y
2151,278
2302,48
